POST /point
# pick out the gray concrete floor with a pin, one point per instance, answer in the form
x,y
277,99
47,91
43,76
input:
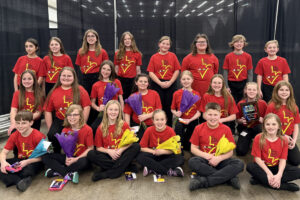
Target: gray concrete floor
x,y
143,188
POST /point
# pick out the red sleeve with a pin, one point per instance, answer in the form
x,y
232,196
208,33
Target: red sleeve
x,y
173,105
262,108
270,108
195,137
17,67
286,68
176,63
69,62
226,64
48,106
203,103
150,67
11,142
285,149
89,140
98,138
78,59
138,59
146,137
256,151
232,107
216,65
120,86
297,117
15,100
84,97
228,134
116,61
127,109
94,91
42,72
259,68
157,101
249,64
185,63
104,55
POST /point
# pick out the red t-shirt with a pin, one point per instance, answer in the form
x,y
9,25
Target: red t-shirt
x,y
99,88
152,138
272,152
151,102
85,139
61,99
176,104
207,139
202,66
287,118
25,145
109,142
272,71
238,66
262,107
53,70
89,63
127,66
163,66
29,101
231,106
35,64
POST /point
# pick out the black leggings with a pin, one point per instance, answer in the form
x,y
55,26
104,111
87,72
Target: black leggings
x,y
185,132
56,127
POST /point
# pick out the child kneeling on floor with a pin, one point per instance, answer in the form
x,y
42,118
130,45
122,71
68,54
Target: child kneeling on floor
x,y
212,169
270,150
25,139
159,161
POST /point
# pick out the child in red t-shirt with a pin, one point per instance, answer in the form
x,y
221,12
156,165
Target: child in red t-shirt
x,y
89,58
218,93
284,105
202,63
163,70
128,61
270,149
28,97
106,75
213,170
185,127
113,161
31,61
150,102
25,139
55,61
65,92
237,67
248,128
68,167
159,161
270,70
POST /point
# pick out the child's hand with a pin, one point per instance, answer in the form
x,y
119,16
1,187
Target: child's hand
x,y
228,89
10,129
214,161
277,181
271,180
101,108
142,117
113,154
178,113
24,163
260,94
292,142
158,152
70,161
243,120
3,165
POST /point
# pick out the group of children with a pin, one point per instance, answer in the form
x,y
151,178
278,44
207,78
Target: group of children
x,y
273,126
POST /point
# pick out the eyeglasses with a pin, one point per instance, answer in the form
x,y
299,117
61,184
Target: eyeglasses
x,y
73,115
91,36
201,42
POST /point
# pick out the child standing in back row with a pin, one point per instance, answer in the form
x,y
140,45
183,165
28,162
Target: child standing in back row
x,y
237,67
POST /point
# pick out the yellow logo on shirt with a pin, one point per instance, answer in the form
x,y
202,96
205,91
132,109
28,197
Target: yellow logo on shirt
x,y
164,69
56,70
205,69
146,109
27,152
271,156
289,121
271,79
30,106
91,65
63,109
127,65
237,72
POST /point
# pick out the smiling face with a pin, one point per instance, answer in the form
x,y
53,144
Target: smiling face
x,y
113,112
105,71
159,121
186,81
164,46
54,47
142,83
271,126
24,127
73,118
284,93
217,84
30,48
201,44
212,117
66,78
251,91
91,38
27,81
272,49
239,45
127,41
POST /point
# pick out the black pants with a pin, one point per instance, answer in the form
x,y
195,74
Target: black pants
x,y
48,87
185,132
160,164
290,173
96,124
141,131
294,156
267,91
87,81
57,162
244,141
56,127
222,173
237,89
13,178
114,168
231,125
127,84
166,96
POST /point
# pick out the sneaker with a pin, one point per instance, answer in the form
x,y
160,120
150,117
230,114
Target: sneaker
x,y
293,187
198,182
176,172
23,184
72,176
235,183
51,173
146,172
99,175
253,181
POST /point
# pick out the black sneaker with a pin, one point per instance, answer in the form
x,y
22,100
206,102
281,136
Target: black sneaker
x,y
51,173
198,182
293,187
23,184
99,175
235,183
176,172
253,181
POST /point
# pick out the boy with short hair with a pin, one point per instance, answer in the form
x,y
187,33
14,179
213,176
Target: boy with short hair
x,y
212,170
25,139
